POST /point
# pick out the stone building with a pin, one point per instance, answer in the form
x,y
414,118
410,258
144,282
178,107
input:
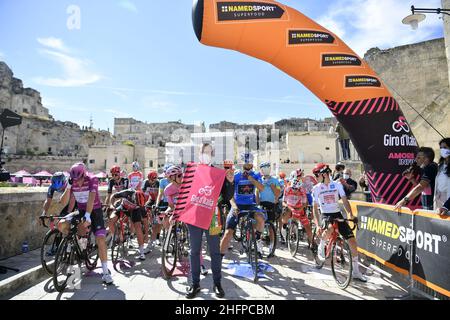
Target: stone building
x,y
40,140
417,75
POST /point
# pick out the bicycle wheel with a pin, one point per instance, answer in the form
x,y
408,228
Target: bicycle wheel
x,y
269,240
292,238
341,263
91,252
252,250
169,253
315,244
119,249
49,248
183,241
63,268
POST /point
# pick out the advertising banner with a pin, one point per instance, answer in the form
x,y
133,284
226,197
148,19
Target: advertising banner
x,y
393,238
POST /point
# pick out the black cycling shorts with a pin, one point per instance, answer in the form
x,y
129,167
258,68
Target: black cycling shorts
x,y
97,221
344,228
270,209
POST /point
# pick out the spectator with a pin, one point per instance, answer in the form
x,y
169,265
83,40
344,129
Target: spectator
x,y
338,171
365,187
344,140
442,189
348,183
425,186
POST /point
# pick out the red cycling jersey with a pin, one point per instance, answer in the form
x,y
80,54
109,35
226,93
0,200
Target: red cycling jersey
x,y
295,198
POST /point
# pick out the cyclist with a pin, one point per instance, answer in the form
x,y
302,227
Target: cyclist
x,y
161,202
244,198
59,184
133,201
268,198
295,199
84,191
283,185
116,182
175,176
151,187
136,177
119,182
326,196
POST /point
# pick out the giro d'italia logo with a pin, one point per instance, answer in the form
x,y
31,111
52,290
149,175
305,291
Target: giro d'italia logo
x,y
401,125
229,11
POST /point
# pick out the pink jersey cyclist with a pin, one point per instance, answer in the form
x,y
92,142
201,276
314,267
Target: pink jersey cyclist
x,y
135,180
81,194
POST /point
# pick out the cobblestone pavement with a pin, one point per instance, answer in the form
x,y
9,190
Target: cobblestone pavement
x,y
292,278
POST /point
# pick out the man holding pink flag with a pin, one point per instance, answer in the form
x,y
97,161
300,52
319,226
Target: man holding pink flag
x,y
203,198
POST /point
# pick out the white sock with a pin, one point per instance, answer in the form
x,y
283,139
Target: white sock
x,y
355,264
141,249
105,267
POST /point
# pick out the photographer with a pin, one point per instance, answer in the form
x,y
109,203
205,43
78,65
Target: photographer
x,y
425,186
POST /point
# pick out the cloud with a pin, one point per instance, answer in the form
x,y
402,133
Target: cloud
x,y
121,95
2,55
76,71
53,43
269,120
159,103
128,5
364,24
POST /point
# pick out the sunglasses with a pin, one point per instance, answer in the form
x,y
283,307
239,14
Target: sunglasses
x,y
178,175
116,175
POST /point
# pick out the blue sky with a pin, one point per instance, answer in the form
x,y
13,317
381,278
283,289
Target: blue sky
x,y
141,59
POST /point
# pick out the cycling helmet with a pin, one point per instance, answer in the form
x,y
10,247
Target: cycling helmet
x,y
228,164
296,174
59,181
123,173
282,175
173,170
167,166
321,168
264,165
246,157
78,171
115,170
152,175
135,166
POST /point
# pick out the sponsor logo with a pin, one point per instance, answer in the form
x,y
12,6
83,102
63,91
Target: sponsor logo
x,y
401,125
399,141
207,190
309,37
361,81
404,159
424,240
336,60
248,11
202,199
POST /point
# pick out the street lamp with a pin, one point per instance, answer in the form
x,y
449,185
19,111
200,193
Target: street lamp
x,y
418,15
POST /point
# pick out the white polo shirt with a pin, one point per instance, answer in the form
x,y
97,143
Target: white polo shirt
x,y
327,196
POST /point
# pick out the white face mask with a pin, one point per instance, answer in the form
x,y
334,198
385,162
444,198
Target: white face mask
x,y
346,176
265,171
445,153
205,158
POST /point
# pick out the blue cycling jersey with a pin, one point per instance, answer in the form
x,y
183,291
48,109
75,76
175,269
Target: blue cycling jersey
x,y
162,185
244,190
267,194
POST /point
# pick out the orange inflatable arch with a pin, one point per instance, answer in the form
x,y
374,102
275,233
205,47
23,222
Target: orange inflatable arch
x,y
284,37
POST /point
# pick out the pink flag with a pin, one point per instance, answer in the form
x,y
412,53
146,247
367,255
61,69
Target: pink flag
x,y
198,194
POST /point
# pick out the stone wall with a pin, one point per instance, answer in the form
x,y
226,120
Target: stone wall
x,y
19,212
34,164
419,73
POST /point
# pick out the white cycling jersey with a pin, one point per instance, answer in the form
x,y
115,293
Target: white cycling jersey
x,y
327,196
